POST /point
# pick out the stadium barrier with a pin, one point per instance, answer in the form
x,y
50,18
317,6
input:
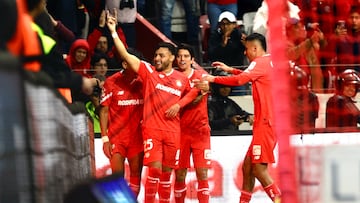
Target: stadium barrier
x,y
60,142
45,145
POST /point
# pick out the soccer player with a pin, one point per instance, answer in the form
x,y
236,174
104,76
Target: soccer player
x,y
165,92
260,152
195,132
120,117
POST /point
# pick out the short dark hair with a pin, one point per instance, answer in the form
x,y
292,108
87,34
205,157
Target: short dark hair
x,y
355,9
97,57
167,45
32,4
257,37
186,47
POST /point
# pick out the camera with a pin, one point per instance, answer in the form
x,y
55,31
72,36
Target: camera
x,y
341,24
97,91
126,4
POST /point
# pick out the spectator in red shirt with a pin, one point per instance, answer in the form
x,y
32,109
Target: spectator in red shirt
x,y
100,41
79,57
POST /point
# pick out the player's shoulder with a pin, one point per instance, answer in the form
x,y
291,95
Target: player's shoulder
x,y
178,74
147,65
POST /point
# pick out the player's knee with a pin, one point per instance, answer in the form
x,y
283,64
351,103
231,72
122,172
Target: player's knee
x,y
259,170
154,172
202,173
180,175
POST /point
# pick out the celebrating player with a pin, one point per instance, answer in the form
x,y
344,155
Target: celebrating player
x,y
260,152
165,91
195,133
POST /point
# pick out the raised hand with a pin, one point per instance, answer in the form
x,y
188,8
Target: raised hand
x,y
102,19
111,20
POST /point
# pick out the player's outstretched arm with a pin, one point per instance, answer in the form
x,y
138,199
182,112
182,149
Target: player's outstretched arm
x,y
132,60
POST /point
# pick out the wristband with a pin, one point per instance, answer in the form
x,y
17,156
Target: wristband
x,y
114,35
105,138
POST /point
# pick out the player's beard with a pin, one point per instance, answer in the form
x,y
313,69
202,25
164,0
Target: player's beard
x,y
163,66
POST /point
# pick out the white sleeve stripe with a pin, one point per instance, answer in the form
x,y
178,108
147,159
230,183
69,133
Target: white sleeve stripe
x,y
148,67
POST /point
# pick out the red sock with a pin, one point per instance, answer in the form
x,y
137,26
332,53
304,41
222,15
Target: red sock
x,y
203,193
165,187
272,191
135,185
152,184
245,197
180,192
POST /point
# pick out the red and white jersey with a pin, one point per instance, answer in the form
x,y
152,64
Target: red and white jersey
x,y
125,101
259,73
194,117
161,91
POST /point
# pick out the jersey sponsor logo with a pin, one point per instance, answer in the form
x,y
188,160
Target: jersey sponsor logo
x,y
130,102
168,89
256,151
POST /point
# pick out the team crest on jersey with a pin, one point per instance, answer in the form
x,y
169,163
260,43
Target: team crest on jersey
x,y
121,92
161,76
178,83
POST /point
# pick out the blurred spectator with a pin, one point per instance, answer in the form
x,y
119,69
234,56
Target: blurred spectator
x,y
225,44
192,14
99,64
100,40
79,57
71,13
55,29
216,7
225,113
345,44
304,101
49,60
317,13
261,19
93,105
25,42
126,16
341,110
303,51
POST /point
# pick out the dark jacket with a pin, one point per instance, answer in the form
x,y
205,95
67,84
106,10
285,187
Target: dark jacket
x,y
341,111
232,54
221,109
